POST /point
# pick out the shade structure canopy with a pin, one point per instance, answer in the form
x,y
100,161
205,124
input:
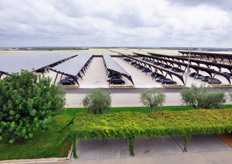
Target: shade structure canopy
x,y
156,67
197,61
113,66
197,68
31,62
214,55
74,66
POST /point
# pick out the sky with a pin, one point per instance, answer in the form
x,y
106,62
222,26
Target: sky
x,y
118,23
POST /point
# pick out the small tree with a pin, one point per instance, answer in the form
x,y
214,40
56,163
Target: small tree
x,y
203,97
152,98
97,102
27,103
230,95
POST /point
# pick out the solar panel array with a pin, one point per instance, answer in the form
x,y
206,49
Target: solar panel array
x,y
14,63
113,65
73,66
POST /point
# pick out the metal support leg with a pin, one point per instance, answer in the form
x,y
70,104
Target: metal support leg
x,y
164,78
55,78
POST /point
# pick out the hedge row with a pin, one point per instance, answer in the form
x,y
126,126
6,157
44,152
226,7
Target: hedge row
x,y
131,125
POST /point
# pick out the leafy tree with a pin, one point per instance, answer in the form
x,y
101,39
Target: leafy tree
x,y
97,102
152,98
27,103
203,97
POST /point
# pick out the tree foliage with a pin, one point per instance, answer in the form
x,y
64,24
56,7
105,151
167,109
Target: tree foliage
x,y
27,103
203,97
152,98
97,102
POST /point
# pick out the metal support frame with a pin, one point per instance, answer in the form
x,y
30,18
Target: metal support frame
x,y
108,70
56,78
164,78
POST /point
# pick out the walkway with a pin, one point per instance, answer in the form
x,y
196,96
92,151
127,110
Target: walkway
x,y
151,149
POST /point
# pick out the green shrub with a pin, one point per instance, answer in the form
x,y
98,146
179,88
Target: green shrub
x,y
151,98
27,103
203,97
97,102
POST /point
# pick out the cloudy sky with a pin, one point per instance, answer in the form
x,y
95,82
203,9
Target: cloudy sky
x,y
152,23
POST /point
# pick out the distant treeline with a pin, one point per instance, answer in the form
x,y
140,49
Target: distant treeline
x,y
86,48
53,48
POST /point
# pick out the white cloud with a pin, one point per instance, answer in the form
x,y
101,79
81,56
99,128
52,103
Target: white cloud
x,y
113,23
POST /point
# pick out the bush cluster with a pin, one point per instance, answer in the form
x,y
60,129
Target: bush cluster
x,y
27,103
97,102
203,97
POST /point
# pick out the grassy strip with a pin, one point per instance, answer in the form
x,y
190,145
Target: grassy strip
x,y
73,111
44,144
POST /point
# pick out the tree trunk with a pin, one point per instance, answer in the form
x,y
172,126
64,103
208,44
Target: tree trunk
x,y
194,106
152,109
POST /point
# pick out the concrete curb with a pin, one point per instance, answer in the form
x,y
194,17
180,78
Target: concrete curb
x,y
41,160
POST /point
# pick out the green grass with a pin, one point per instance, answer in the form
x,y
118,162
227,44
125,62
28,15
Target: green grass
x,y
73,111
42,145
50,143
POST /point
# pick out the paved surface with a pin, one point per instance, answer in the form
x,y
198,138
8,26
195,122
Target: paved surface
x,y
140,78
121,97
95,76
144,147
156,148
217,157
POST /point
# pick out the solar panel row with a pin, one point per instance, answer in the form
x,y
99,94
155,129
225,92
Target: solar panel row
x,y
113,65
36,61
73,66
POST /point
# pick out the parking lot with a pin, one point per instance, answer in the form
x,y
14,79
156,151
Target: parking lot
x,y
95,76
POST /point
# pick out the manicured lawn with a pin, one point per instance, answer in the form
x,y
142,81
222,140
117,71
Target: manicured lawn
x,y
50,143
72,111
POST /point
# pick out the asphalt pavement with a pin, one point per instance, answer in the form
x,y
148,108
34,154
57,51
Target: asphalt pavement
x,y
122,97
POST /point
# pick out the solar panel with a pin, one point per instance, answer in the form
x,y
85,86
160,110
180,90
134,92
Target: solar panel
x,y
74,65
14,63
113,65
